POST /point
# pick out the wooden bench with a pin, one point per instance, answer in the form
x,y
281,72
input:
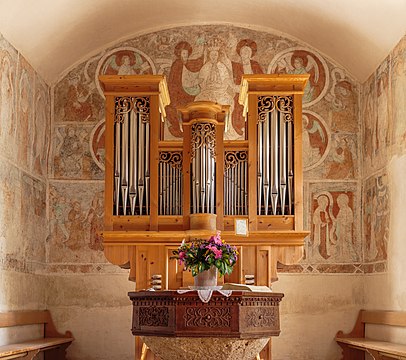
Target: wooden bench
x,y
355,344
52,343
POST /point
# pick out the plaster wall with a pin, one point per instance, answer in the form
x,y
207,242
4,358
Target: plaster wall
x,y
387,290
24,140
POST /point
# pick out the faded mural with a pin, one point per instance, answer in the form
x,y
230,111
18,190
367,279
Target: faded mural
x,y
206,63
24,142
76,216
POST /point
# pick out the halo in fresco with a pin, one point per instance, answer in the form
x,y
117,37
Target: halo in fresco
x,y
96,144
298,60
124,61
315,139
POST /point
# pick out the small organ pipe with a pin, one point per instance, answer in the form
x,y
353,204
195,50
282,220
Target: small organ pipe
x,y
117,166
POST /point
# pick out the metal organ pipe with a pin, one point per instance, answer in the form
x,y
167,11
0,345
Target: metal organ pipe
x,y
275,155
131,155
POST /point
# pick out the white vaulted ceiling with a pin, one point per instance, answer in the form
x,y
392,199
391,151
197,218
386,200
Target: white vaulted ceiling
x,y
53,35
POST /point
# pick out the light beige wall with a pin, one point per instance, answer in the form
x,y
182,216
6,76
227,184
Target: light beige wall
x,y
314,308
98,312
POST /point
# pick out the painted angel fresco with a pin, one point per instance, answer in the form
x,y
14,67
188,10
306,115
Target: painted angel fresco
x,y
126,62
315,140
299,61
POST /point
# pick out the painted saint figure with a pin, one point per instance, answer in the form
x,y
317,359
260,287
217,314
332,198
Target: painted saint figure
x,y
246,49
322,227
77,107
215,79
181,88
346,245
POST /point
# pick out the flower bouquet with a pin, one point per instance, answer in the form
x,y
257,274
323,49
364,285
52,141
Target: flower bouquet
x,y
199,255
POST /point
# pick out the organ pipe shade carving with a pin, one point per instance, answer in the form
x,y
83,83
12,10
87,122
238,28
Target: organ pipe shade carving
x,y
275,155
131,156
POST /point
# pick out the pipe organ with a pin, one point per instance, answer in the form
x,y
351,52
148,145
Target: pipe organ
x,y
159,192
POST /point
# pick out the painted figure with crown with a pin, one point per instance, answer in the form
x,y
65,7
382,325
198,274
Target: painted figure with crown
x,y
215,76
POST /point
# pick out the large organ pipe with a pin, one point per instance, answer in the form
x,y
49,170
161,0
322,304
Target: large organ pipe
x,y
282,161
274,160
266,161
141,151
290,166
133,165
203,181
198,180
147,177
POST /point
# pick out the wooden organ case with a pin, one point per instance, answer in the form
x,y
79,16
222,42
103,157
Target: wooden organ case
x,y
159,192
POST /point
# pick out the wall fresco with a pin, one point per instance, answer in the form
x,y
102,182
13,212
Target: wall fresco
x,y
369,116
74,153
315,138
341,162
206,63
398,87
384,116
8,69
33,218
334,224
76,214
23,221
39,138
25,110
376,217
343,111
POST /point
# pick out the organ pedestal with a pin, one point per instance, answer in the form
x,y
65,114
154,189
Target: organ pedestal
x,y
159,192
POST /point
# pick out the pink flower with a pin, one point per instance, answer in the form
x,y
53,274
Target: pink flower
x,y
217,252
217,239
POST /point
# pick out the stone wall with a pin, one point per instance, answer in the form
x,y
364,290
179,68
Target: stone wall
x,y
24,144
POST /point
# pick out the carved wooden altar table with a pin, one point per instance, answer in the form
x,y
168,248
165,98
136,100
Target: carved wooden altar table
x,y
181,326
